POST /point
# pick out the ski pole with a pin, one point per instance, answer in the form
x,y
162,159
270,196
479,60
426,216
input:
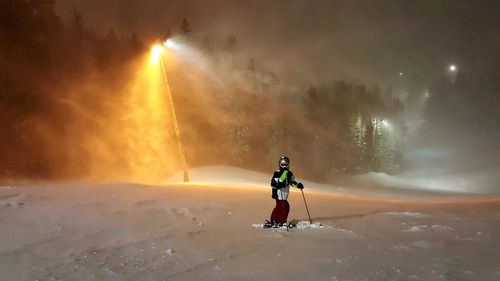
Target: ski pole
x,y
307,209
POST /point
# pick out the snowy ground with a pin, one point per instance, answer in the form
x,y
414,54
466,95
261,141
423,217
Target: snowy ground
x,y
203,231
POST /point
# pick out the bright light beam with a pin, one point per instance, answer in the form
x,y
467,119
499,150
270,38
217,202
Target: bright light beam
x,y
169,43
156,52
156,57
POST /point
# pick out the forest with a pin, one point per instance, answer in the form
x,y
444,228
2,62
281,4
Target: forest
x,y
61,83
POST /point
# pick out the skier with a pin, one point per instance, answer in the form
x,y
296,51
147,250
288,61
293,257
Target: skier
x,y
280,182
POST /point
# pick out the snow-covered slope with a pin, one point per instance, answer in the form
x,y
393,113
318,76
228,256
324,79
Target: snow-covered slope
x,y
370,184
197,232
222,175
238,178
206,231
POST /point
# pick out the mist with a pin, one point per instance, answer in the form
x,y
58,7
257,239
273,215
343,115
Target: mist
x,y
343,88
138,139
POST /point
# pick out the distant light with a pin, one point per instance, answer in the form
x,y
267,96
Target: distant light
x,y
427,95
387,125
453,68
401,74
169,43
156,51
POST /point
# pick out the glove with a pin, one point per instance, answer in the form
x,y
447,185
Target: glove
x,y
300,186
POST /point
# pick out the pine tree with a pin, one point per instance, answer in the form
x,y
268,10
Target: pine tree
x,y
185,27
357,135
231,44
206,46
237,134
76,23
379,147
111,37
388,93
134,43
168,33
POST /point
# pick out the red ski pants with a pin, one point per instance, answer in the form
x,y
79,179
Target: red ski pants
x,y
280,211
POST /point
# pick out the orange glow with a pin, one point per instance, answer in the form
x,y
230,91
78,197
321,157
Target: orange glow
x,y
118,126
150,152
156,52
136,142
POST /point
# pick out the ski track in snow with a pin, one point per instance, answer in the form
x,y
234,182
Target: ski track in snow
x,y
129,232
12,200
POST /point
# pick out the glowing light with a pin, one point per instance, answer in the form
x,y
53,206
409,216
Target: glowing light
x,y
376,122
453,68
156,57
135,144
156,54
169,43
401,74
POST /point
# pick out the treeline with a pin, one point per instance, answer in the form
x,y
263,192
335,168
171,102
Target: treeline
x,y
245,116
339,128
40,56
335,127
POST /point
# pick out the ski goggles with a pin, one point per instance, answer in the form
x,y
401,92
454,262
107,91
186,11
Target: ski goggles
x,y
284,165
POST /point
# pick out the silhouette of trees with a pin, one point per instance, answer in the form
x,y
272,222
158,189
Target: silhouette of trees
x,y
39,54
185,27
326,127
168,33
231,44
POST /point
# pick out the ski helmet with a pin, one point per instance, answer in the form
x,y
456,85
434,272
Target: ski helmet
x,y
284,162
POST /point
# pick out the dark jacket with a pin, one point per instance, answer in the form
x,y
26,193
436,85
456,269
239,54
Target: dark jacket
x,y
281,182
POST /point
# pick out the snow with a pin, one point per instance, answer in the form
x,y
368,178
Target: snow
x,y
203,231
222,175
441,227
366,185
416,228
409,214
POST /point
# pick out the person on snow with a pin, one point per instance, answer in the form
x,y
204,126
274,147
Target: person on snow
x,y
280,183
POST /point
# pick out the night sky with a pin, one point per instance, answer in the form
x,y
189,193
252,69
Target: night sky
x,y
357,40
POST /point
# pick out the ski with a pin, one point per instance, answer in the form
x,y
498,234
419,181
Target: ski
x,y
267,224
287,225
291,224
295,223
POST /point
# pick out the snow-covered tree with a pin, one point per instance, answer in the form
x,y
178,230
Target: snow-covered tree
x,y
236,134
357,136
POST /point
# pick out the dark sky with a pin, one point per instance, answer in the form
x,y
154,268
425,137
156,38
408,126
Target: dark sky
x,y
359,40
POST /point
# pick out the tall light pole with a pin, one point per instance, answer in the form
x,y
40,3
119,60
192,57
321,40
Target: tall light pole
x,y
157,54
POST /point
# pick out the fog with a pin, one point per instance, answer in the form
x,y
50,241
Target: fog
x,y
355,39
253,80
